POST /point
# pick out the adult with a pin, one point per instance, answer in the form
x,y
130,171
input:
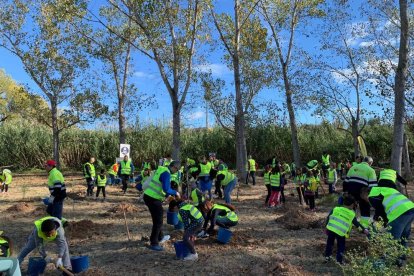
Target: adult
x,y
251,170
48,229
125,171
6,179
228,180
90,175
57,189
359,176
154,195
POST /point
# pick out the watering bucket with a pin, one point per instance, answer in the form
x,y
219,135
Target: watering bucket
x,y
79,263
36,266
224,235
179,226
181,249
172,218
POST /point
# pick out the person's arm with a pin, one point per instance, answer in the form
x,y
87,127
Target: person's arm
x,y
199,195
119,169
376,203
88,169
207,219
335,177
357,224
60,241
327,218
220,177
165,179
372,178
401,180
132,168
213,219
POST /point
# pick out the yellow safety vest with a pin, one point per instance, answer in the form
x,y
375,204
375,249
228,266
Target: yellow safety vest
x,y
340,221
205,169
228,177
101,181
40,234
194,212
229,213
154,188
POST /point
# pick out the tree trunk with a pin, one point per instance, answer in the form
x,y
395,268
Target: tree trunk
x,y
55,132
355,134
121,119
176,144
399,90
406,157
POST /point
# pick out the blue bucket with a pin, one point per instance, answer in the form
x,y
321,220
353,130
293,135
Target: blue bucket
x,y
139,187
172,218
224,235
36,266
79,263
181,249
179,226
45,201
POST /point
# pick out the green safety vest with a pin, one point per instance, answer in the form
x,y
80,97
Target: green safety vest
x,y
205,169
147,165
299,180
101,181
340,221
252,164
112,169
40,234
273,162
388,174
7,176
275,180
5,248
363,174
55,176
228,177
331,175
312,184
325,159
194,197
266,178
190,162
230,214
91,170
126,167
312,164
395,203
154,188
175,177
167,163
286,168
194,212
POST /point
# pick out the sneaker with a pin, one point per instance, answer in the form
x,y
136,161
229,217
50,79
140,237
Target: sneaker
x,y
165,238
191,257
156,248
327,259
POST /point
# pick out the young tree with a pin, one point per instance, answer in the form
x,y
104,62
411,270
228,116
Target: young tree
x,y
41,35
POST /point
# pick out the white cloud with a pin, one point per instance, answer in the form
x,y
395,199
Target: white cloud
x,y
216,69
196,115
144,75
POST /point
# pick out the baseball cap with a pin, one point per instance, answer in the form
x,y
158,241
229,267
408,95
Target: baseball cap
x,y
51,163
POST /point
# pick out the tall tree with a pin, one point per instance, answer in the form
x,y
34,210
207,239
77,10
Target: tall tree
x,y
41,35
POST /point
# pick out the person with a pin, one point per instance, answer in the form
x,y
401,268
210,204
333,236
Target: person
x,y
57,188
223,215
8,264
326,161
141,178
251,170
389,178
113,171
359,176
228,180
310,185
193,221
317,176
125,171
90,175
6,249
340,169
154,195
147,164
299,180
275,183
197,196
266,179
332,178
204,176
293,169
358,160
394,208
48,229
284,180
338,227
6,180
167,160
101,183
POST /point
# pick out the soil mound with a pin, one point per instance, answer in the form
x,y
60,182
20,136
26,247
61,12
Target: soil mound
x,y
283,267
76,195
85,229
120,208
93,272
22,207
296,219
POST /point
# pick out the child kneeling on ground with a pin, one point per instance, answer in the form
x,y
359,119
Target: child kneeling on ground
x,y
339,225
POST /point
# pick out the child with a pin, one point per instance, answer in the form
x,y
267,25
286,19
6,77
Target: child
x,y
339,225
317,175
311,186
8,264
299,180
332,177
6,179
275,183
193,221
266,178
222,215
101,183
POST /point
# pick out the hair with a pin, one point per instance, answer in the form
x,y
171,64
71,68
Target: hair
x,y
48,225
174,203
368,159
176,164
102,171
348,199
304,170
275,170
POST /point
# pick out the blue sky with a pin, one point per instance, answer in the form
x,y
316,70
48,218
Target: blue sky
x,y
146,77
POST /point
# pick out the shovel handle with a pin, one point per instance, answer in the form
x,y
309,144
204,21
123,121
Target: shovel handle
x,y
66,271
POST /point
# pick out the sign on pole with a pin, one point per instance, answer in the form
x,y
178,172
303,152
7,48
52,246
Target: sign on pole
x,y
124,149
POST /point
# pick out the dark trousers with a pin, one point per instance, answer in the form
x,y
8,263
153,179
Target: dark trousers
x,y
101,188
310,200
218,189
282,194
269,192
340,241
5,188
253,175
300,194
125,179
89,186
55,209
364,207
189,233
157,213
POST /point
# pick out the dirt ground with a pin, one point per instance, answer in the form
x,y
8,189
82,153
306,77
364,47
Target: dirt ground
x,y
284,241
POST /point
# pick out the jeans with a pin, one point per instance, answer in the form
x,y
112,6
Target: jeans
x,y
206,185
157,213
401,227
228,189
55,209
111,179
253,175
340,241
89,184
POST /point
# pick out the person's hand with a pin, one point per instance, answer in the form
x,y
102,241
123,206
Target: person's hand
x,y
177,195
93,178
51,199
48,259
59,262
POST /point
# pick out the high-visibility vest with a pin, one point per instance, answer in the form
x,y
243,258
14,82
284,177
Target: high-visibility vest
x,y
55,177
286,168
228,177
388,174
325,159
101,181
126,167
175,177
190,162
299,180
363,174
331,175
147,165
229,213
114,169
340,221
252,165
40,234
275,180
167,162
312,164
154,188
7,176
312,184
91,170
5,248
194,212
273,162
394,202
194,197
205,169
266,178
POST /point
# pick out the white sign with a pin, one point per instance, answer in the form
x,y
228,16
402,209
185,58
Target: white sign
x,y
124,149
